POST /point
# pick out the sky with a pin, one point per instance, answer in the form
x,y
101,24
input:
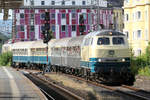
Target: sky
x,y
10,13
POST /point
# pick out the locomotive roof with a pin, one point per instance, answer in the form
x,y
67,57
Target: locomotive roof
x,y
105,33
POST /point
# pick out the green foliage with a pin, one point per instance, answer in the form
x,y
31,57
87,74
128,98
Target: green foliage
x,y
5,59
144,71
141,65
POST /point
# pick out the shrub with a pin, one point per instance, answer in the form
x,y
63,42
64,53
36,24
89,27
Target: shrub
x,y
5,59
141,65
144,71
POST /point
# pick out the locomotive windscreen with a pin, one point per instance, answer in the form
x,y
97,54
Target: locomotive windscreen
x,y
103,41
117,40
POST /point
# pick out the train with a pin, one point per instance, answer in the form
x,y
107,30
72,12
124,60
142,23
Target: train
x,y
100,55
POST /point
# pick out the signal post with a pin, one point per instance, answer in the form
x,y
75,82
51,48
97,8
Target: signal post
x,y
47,36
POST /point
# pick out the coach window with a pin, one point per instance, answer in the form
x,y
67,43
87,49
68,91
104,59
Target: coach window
x,y
19,52
26,51
22,52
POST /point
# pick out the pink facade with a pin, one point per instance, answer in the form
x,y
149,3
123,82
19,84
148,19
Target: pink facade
x,y
29,23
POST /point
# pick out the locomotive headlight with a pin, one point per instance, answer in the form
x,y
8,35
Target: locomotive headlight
x,y
99,60
123,60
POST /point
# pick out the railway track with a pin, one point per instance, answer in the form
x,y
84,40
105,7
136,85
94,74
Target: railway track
x,y
123,89
57,92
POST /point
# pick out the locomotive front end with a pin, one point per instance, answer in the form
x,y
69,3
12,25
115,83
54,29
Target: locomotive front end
x,y
110,57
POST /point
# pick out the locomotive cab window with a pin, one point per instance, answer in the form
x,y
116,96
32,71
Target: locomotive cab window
x,y
118,40
103,41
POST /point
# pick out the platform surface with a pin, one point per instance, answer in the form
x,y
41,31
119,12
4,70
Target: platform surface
x,y
15,86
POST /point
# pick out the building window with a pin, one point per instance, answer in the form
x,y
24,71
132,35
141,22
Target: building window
x,y
63,28
32,16
42,28
84,16
73,28
133,35
63,16
32,28
53,2
73,2
127,34
22,28
145,15
63,2
138,15
73,15
83,3
138,52
53,16
32,2
42,16
139,34
21,15
53,28
126,17
146,35
133,16
42,2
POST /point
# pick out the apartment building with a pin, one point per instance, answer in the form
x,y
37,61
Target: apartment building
x,y
137,24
